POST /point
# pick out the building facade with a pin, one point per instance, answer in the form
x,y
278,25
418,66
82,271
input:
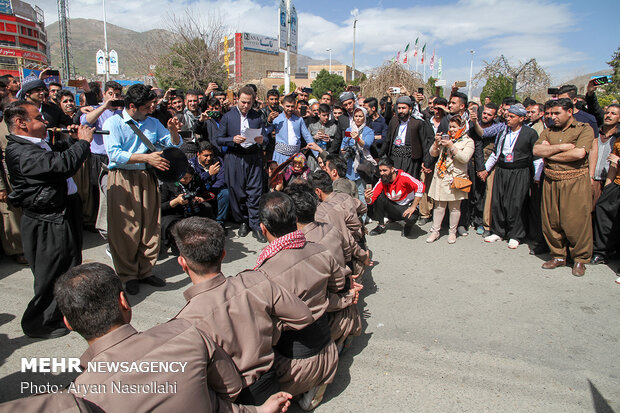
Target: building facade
x,y
343,70
250,56
23,39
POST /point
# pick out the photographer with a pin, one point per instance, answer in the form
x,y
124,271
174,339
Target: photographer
x,y
181,200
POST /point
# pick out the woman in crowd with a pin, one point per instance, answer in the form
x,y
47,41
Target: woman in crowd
x,y
450,182
355,148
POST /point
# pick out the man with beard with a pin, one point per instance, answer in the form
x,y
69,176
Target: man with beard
x,y
513,160
290,129
396,197
191,114
210,167
345,120
208,124
535,112
408,139
567,192
377,123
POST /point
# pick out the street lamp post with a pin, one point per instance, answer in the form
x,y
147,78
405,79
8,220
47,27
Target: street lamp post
x,y
471,74
355,14
105,44
330,60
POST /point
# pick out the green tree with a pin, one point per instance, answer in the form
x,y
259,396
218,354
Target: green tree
x,y
358,80
430,85
292,86
325,81
497,88
614,86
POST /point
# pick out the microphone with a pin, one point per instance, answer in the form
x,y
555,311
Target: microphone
x,y
100,132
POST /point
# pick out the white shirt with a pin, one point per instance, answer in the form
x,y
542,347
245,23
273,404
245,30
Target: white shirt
x,y
292,138
71,186
244,122
507,143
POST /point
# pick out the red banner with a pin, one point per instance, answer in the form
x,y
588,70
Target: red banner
x,y
22,53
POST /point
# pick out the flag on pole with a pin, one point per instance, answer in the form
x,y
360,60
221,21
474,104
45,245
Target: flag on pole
x,y
432,62
423,53
405,58
398,57
407,48
439,69
415,48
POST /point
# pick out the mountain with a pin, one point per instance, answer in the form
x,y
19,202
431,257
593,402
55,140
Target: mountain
x,y
582,81
87,38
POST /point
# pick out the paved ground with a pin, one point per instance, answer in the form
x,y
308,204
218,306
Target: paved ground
x,y
469,327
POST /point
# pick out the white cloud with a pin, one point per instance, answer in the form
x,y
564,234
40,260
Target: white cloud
x,y
524,29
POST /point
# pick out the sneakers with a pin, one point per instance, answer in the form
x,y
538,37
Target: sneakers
x,y
462,231
451,238
432,237
513,244
312,398
492,238
480,230
486,233
107,251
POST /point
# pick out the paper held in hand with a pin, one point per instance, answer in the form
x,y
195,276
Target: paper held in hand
x,y
250,136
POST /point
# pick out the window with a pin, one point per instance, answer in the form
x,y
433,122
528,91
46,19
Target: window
x,y
312,75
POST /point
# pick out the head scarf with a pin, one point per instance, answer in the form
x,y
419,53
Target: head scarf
x,y
354,127
518,109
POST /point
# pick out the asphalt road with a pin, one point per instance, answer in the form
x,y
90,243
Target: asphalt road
x,y
469,327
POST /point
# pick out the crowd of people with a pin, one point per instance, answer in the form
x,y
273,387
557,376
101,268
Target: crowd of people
x,y
159,172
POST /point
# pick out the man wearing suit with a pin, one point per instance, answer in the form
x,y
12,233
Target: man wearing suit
x,y
201,377
289,128
408,139
243,168
51,224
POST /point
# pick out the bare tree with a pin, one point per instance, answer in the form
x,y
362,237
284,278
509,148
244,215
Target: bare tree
x,y
528,79
187,56
391,74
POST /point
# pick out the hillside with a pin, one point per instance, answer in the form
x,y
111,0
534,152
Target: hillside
x,y
87,38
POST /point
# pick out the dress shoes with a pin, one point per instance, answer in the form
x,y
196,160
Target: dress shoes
x,y
598,259
244,230
579,269
259,236
554,263
132,287
154,281
20,259
379,229
539,250
58,332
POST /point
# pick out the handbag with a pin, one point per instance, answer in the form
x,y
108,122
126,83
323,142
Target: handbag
x,y
462,184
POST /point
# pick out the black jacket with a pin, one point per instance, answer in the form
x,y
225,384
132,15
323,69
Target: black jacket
x,y
39,177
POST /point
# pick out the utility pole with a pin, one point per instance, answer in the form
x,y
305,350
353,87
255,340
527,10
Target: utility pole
x,y
330,60
355,14
471,74
105,44
287,53
65,39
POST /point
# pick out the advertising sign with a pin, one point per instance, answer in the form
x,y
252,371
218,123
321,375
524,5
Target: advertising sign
x,y
293,29
113,62
100,62
260,43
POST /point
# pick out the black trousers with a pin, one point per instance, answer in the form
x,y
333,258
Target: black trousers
x,y
51,248
606,223
412,166
385,208
468,207
258,392
244,176
510,191
534,219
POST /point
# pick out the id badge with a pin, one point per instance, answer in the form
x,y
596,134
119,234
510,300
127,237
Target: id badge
x,y
508,158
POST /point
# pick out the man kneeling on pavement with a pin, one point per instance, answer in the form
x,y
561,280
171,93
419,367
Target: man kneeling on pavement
x,y
396,197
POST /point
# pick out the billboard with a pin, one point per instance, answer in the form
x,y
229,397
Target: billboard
x,y
260,43
5,7
294,22
113,62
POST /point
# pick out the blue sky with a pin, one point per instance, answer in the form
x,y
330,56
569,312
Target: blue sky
x,y
569,38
